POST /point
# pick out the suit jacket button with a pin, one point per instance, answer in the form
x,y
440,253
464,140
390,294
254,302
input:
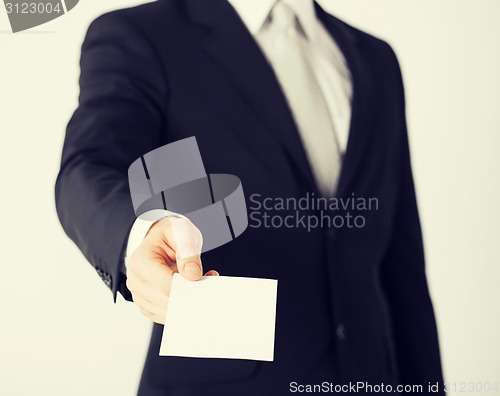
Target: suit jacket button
x,y
340,332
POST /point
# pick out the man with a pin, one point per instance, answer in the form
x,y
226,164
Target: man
x,y
295,103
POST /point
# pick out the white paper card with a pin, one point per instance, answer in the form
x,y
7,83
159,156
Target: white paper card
x,y
221,317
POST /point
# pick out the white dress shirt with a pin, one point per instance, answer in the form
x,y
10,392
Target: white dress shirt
x,y
328,63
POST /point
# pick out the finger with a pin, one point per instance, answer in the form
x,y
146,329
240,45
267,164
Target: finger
x,y
149,270
186,240
212,273
152,308
153,317
155,294
145,291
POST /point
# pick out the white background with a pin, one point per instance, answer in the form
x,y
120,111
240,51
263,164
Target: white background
x,y
60,333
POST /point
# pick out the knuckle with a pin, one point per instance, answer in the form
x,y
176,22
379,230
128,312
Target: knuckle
x,y
137,300
131,283
132,264
146,313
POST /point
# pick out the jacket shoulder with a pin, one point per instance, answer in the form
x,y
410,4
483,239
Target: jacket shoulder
x,y
375,47
145,17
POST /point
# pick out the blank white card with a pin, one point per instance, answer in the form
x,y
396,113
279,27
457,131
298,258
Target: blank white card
x,y
221,317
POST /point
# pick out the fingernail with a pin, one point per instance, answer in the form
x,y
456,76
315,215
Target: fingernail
x,y
192,268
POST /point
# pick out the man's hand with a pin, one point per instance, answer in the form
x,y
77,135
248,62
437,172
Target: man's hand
x,y
172,244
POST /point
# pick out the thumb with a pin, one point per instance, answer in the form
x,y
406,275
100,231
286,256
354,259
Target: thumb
x,y
187,240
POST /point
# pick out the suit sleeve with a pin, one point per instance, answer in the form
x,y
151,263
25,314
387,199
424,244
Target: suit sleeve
x,y
119,118
403,274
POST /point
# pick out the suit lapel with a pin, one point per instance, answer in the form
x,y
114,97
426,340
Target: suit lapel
x,y
231,46
362,99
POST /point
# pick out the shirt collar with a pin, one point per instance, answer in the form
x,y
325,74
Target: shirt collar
x,y
255,12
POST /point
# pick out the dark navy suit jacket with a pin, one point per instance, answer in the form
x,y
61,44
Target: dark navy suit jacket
x,y
355,298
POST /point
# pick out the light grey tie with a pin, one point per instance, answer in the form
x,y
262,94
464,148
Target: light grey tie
x,y
290,61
